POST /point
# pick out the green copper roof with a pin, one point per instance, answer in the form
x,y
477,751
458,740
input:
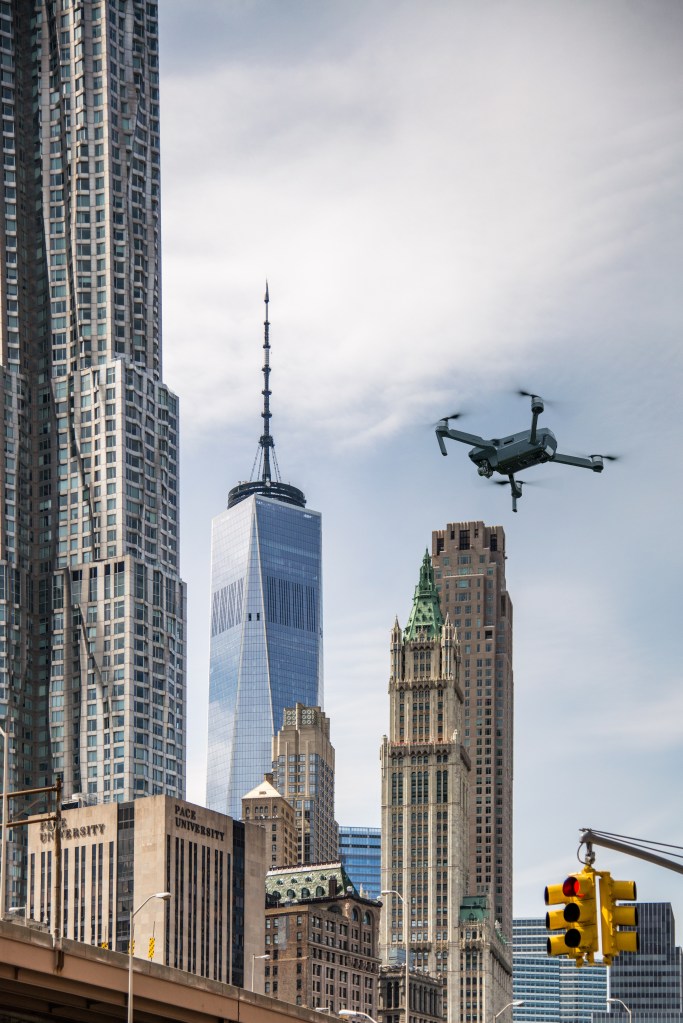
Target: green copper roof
x,y
426,610
473,909
310,881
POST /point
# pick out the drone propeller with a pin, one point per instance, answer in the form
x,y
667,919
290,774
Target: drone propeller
x,y
609,458
453,415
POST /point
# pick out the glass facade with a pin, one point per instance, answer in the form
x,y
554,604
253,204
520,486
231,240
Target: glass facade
x,y
552,989
650,981
360,850
266,638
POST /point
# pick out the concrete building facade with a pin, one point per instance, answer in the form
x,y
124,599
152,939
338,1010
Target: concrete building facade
x,y
266,807
322,939
92,608
115,855
303,771
426,809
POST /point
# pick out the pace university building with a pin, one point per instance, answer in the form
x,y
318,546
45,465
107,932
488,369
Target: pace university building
x,y
266,621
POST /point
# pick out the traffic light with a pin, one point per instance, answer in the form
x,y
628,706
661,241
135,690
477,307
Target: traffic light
x,y
615,917
578,919
150,953
131,952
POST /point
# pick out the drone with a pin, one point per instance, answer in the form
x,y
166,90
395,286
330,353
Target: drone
x,y
510,455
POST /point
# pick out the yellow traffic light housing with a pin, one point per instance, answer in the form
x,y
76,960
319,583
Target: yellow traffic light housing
x,y
615,917
578,918
150,952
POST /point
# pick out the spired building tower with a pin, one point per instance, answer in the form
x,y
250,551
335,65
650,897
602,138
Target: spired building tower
x,y
92,609
425,814
469,569
266,620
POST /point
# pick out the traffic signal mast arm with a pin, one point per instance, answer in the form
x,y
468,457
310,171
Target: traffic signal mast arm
x,y
590,837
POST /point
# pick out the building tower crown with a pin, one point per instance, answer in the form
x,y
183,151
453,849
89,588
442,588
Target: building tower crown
x,y
266,486
425,620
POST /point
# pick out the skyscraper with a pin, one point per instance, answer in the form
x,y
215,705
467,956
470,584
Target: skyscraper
x,y
649,983
266,620
469,571
92,609
303,771
425,811
360,850
552,989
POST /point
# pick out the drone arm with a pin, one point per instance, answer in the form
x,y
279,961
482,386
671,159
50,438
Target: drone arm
x,y
464,438
593,462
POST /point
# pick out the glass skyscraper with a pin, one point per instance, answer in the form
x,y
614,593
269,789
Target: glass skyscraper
x,y
266,622
360,850
552,988
92,609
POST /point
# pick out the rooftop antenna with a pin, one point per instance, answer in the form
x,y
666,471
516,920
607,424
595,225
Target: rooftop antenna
x,y
266,440
261,481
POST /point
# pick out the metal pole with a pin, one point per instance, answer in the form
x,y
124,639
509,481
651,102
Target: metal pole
x,y
3,851
165,897
630,1014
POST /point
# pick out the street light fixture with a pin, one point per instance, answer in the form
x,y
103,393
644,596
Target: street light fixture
x,y
406,938
254,957
355,1013
165,897
517,1001
630,1014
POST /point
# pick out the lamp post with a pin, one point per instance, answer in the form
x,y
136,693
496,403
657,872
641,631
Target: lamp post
x,y
254,957
518,1001
630,1014
406,938
3,843
165,897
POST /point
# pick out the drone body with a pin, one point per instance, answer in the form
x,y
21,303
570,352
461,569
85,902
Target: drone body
x,y
512,454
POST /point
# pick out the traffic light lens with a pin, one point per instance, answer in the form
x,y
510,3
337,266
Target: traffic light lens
x,y
571,888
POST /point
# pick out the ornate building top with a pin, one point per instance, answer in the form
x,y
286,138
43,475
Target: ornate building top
x,y
425,620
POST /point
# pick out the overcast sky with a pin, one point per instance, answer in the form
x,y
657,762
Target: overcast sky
x,y
450,201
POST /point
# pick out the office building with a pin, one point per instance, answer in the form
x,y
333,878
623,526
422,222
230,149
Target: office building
x,y
322,939
451,934
360,850
426,995
303,771
649,982
266,621
114,856
266,807
92,609
469,570
552,988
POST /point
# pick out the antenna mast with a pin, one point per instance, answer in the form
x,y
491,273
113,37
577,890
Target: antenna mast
x,y
266,440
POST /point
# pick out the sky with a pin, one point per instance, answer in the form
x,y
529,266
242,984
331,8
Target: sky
x,y
450,201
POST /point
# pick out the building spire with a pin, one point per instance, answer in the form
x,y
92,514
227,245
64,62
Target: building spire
x,y
266,480
266,440
425,619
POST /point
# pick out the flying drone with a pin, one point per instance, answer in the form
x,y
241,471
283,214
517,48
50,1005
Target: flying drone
x,y
509,455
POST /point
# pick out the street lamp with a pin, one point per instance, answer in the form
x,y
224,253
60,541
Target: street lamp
x,y
630,1014
354,1013
3,843
254,957
406,938
518,1001
165,897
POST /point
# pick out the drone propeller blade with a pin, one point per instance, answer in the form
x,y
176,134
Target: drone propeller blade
x,y
610,458
445,419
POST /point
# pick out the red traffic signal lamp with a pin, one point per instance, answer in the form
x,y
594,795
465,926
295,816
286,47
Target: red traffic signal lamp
x,y
614,917
578,919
